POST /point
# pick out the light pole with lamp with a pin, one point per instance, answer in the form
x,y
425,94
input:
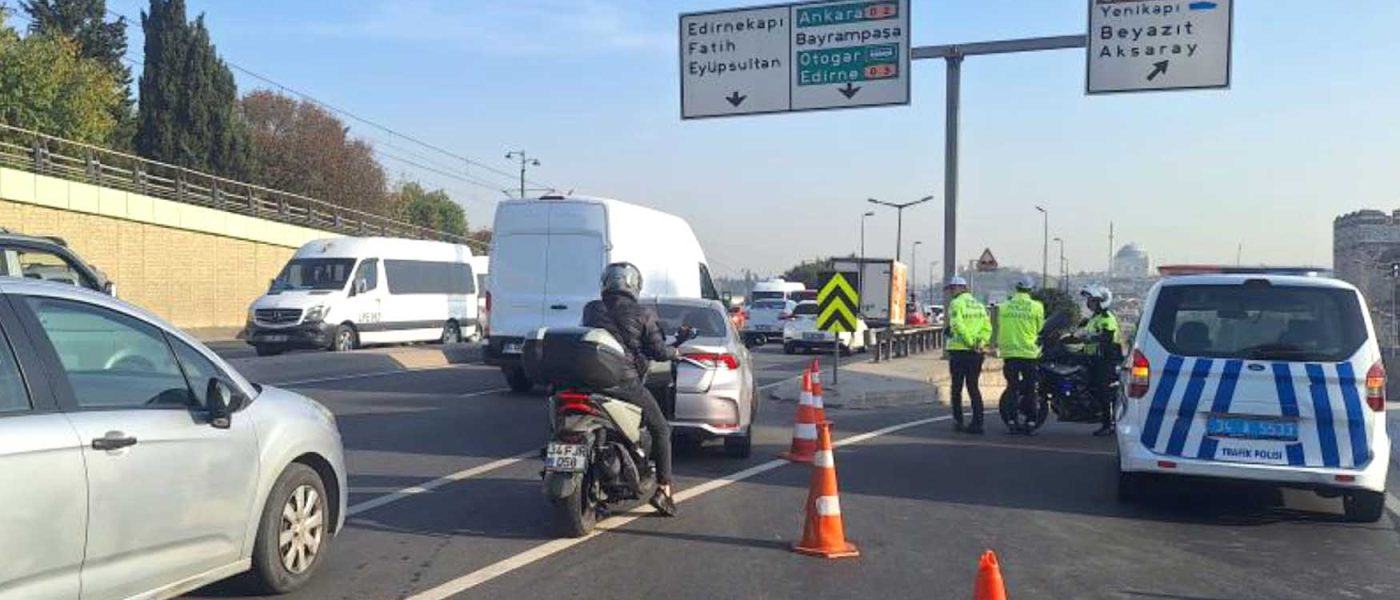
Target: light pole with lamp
x,y
1062,284
860,276
914,271
899,229
1044,248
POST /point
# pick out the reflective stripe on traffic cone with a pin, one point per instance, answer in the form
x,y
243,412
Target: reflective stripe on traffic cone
x,y
804,430
823,534
989,585
818,406
816,370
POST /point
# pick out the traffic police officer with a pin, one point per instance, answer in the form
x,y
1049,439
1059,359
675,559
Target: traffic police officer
x,y
969,333
1102,346
1019,321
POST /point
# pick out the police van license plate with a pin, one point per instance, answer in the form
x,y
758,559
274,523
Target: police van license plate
x,y
814,337
565,457
1246,428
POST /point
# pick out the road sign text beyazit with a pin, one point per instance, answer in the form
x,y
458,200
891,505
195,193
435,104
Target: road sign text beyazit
x,y
1144,45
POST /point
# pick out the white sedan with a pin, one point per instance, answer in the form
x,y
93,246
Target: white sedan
x,y
800,333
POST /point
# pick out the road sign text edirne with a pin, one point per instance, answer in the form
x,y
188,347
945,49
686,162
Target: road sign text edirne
x,y
794,57
1148,45
837,304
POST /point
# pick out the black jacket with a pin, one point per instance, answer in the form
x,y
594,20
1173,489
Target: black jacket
x,y
633,325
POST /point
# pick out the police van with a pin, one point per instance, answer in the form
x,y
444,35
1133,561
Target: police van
x,y
1266,375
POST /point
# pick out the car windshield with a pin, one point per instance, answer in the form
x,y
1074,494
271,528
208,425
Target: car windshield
x,y
1261,322
806,308
767,295
707,321
805,295
769,305
314,274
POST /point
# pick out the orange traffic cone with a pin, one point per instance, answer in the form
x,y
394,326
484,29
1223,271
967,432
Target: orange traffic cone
x,y
804,430
989,585
823,534
818,406
816,370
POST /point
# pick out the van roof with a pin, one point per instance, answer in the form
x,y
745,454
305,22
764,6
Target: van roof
x,y
382,247
1239,279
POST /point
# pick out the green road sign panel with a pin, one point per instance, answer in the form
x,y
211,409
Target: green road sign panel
x,y
838,304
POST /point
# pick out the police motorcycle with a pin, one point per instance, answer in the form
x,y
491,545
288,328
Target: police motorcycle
x,y
1063,385
598,460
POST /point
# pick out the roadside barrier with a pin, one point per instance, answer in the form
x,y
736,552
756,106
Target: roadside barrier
x,y
823,533
891,343
804,430
989,585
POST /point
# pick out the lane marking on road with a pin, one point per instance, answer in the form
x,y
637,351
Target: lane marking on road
x,y
299,382
429,486
538,553
1392,504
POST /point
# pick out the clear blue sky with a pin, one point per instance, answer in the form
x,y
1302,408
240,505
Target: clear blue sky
x,y
1309,130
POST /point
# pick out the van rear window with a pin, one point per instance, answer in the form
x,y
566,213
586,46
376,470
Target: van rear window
x,y
1259,322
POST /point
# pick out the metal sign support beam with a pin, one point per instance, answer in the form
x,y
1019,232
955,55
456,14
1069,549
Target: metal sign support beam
x,y
954,54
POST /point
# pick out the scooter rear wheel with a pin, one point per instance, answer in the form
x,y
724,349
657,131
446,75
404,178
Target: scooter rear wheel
x,y
575,514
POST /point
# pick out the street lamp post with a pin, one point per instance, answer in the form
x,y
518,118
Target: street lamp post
x,y
914,267
899,229
525,161
1063,283
1044,248
860,276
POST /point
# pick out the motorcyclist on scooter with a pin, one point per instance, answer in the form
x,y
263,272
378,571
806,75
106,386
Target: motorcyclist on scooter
x,y
635,327
1019,321
1101,345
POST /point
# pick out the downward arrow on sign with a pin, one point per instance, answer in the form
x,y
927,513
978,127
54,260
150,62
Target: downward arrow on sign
x,y
849,91
735,99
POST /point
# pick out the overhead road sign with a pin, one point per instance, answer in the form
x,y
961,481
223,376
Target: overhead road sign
x,y
794,57
1153,45
837,303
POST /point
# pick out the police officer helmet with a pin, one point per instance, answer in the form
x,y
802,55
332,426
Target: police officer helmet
x,y
956,281
1025,283
1100,293
622,277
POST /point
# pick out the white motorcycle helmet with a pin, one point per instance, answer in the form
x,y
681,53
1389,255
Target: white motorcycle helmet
x,y
1098,292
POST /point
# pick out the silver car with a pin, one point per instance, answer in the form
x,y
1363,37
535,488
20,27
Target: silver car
x,y
134,463
715,395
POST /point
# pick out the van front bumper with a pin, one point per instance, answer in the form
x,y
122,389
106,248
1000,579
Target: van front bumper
x,y
304,335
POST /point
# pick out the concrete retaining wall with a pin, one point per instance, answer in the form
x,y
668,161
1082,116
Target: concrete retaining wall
x,y
195,266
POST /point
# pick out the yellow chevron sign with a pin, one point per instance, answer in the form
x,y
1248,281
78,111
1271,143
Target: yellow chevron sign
x,y
838,303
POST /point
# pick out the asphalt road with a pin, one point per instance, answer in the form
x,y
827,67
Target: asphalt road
x,y
921,502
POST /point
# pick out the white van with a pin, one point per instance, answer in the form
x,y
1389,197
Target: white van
x,y
481,268
343,293
548,255
776,289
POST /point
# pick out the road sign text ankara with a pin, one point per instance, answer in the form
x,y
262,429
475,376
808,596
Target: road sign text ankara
x,y
794,57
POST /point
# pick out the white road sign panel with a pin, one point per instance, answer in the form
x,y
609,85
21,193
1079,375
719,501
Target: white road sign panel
x,y
794,57
1147,45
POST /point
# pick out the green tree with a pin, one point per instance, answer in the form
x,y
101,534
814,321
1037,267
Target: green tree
x,y
85,22
46,86
434,210
188,114
808,272
1057,300
301,148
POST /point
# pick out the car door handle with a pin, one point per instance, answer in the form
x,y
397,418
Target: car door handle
x,y
559,307
114,440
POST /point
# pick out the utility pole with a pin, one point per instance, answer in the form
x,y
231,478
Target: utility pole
x,y
1063,284
914,266
1044,247
899,229
860,276
1110,250
525,161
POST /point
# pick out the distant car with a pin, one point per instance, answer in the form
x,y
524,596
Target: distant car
x,y
715,391
937,315
914,315
49,259
739,317
765,321
801,334
150,467
1257,376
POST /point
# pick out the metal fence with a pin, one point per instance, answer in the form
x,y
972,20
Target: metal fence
x,y
75,161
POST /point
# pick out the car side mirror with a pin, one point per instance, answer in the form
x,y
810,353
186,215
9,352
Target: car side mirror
x,y
727,298
221,401
110,289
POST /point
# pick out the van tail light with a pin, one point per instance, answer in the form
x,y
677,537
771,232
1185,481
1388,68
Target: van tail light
x,y
712,360
1375,387
486,318
1140,375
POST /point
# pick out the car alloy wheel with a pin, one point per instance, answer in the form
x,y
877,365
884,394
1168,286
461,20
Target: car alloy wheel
x,y
303,528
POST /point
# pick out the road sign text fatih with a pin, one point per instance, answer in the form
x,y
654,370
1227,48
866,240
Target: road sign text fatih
x,y
794,57
1148,45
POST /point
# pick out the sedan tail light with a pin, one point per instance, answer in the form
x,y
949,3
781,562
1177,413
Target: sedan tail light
x,y
1140,377
712,360
1375,387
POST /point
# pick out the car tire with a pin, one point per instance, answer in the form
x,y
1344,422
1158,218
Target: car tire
x,y
1132,487
267,350
739,446
451,333
518,381
1364,506
345,339
301,491
789,349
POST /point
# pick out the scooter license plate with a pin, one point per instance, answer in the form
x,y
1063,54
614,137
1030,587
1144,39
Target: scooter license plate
x,y
566,457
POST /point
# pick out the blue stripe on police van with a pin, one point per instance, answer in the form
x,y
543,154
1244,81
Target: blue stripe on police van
x,y
1356,419
1153,427
1223,395
1322,414
1186,413
1288,405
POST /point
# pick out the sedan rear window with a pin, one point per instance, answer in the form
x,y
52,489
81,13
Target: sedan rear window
x,y
707,321
806,308
1262,322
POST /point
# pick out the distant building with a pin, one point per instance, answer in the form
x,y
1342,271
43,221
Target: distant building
x,y
1364,245
1131,262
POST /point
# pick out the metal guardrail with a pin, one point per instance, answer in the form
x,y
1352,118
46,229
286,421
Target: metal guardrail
x,y
900,342
76,161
